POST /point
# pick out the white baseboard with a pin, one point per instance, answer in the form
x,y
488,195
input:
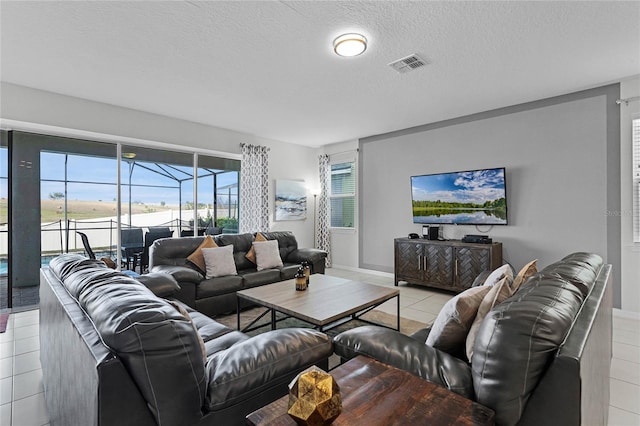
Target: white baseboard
x,y
364,271
626,314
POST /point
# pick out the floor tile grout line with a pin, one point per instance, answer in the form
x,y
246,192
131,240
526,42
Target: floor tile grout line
x,y
36,394
626,344
625,410
624,381
623,359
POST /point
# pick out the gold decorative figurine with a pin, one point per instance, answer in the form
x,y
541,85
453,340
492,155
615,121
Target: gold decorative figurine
x,y
314,398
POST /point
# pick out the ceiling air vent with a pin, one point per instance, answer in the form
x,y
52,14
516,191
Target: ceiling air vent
x,y
408,63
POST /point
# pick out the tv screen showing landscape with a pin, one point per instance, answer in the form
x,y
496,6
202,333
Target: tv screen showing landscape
x,y
474,197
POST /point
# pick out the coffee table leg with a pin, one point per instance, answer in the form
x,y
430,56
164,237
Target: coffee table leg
x,y
273,319
238,310
398,297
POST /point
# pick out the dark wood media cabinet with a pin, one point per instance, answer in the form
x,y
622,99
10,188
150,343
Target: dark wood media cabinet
x,y
450,265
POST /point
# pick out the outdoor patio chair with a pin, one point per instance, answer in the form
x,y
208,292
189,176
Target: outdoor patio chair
x,y
131,247
85,243
87,248
213,230
159,229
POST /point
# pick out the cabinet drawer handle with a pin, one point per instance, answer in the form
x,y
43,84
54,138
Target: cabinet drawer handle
x,y
419,262
425,263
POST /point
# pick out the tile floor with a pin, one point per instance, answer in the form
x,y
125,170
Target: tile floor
x,y
22,398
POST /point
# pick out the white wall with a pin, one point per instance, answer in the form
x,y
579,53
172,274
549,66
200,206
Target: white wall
x,y
630,250
286,161
293,162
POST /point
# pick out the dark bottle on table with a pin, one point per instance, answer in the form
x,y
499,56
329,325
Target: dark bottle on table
x,y
307,270
300,279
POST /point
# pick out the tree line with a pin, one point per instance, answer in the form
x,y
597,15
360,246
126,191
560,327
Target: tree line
x,y
499,204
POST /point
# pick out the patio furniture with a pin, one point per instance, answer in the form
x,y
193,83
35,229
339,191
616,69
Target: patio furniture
x,y
131,247
85,243
87,247
189,232
159,229
213,230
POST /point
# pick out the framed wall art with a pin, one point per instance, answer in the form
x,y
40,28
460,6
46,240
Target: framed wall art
x,y
291,200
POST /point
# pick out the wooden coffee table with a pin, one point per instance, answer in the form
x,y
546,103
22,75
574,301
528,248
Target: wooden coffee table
x,y
378,394
327,302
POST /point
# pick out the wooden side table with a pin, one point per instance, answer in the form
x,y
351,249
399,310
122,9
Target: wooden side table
x,y
374,393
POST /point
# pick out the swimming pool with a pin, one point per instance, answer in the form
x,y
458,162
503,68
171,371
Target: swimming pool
x,y
44,260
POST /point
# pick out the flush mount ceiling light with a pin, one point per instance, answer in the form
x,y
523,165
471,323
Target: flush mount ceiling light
x,y
351,44
129,155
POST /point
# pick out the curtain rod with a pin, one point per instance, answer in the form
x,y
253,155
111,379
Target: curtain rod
x,y
627,100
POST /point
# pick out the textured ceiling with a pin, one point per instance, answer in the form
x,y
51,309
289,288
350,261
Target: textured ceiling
x,y
267,68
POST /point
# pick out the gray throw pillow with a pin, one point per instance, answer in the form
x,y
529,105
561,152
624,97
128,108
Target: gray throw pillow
x,y
219,261
267,254
449,330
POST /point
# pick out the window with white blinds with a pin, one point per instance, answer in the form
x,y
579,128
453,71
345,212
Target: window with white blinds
x,y
343,194
636,179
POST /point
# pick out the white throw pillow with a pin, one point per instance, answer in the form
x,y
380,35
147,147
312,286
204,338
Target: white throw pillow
x,y
496,276
219,261
267,254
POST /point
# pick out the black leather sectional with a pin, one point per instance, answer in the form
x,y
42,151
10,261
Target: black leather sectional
x,y
113,353
541,357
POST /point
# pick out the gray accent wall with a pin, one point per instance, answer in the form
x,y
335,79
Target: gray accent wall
x,y
562,160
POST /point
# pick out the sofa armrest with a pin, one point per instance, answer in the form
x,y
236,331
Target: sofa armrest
x,y
162,285
398,350
179,273
422,334
315,256
255,365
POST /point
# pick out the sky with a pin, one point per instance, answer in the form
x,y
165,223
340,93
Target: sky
x,y
92,170
476,186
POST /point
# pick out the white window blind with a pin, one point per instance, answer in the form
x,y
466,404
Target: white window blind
x,y
343,194
636,179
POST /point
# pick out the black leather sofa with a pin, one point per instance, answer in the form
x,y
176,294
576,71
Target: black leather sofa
x,y
218,295
113,353
542,357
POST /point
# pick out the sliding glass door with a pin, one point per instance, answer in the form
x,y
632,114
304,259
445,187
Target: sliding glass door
x,y
74,202
55,189
218,194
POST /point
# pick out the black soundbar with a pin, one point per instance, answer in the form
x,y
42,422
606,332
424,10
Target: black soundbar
x,y
478,239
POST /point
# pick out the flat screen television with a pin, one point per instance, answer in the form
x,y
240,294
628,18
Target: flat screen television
x,y
473,197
